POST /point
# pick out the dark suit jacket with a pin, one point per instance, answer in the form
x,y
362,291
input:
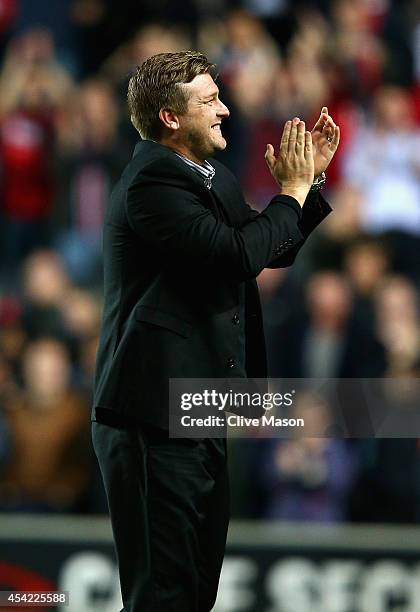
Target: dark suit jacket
x,y
180,262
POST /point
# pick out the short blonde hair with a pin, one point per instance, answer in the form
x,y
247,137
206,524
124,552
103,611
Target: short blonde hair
x,y
157,83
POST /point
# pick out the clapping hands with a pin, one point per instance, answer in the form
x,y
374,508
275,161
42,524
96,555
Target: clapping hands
x,y
303,155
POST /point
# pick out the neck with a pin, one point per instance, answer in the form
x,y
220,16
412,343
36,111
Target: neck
x,y
181,149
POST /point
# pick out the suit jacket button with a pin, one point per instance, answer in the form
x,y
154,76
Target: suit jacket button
x,y
235,319
277,251
230,362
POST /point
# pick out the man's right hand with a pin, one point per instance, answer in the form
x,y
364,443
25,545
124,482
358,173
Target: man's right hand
x,y
293,169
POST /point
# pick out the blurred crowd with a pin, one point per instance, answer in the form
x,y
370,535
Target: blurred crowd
x,y
348,308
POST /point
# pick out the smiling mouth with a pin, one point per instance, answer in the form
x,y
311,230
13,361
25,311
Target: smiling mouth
x,y
217,126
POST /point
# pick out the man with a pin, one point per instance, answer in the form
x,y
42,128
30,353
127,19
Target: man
x,y
181,251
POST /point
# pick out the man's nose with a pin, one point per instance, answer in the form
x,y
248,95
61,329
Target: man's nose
x,y
223,110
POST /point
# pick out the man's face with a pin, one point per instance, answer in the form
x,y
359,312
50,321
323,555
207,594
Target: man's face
x,y
200,127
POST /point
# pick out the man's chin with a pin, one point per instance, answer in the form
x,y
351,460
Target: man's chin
x,y
221,144
217,145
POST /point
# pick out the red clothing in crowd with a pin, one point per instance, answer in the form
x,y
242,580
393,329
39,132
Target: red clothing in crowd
x,y
27,178
8,10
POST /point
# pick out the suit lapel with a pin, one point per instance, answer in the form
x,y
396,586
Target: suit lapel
x,y
206,196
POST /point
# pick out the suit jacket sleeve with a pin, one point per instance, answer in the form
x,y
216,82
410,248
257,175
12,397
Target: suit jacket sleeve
x,y
314,210
167,214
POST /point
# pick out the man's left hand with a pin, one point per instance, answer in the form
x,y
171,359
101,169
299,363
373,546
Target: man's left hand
x,y
325,139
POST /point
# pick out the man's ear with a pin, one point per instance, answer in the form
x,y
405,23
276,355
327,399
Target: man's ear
x,y
169,118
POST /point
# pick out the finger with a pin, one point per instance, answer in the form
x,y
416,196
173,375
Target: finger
x,y
328,133
300,138
308,145
329,126
335,139
284,143
292,137
269,156
321,122
329,129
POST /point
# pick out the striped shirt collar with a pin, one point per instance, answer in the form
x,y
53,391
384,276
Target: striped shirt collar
x,y
207,171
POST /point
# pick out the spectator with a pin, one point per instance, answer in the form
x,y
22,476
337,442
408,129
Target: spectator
x,y
31,88
324,341
365,263
360,51
81,317
50,468
398,323
57,18
45,284
90,159
384,164
308,479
